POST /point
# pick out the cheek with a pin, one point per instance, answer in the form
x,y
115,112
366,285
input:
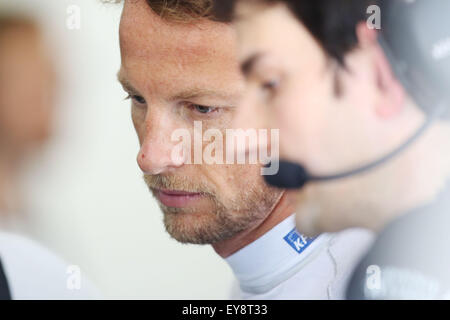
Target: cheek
x,y
295,125
304,121
138,118
253,112
221,121
15,113
228,181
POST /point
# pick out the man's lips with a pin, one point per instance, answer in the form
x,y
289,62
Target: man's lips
x,y
177,199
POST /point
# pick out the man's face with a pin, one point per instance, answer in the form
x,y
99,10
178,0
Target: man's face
x,y
328,117
27,89
175,74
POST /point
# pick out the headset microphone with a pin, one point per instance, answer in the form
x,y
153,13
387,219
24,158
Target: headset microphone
x,y
416,41
294,176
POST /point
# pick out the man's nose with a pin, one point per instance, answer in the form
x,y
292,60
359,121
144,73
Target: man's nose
x,y
156,154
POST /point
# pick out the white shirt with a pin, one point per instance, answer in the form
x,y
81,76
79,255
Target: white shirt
x,y
33,272
283,264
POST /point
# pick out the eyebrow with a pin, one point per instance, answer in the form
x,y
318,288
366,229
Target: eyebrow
x,y
190,94
199,93
126,83
249,64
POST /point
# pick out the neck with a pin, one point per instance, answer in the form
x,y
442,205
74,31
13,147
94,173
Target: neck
x,y
281,211
423,172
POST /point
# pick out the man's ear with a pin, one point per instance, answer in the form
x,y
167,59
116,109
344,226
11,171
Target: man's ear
x,y
390,92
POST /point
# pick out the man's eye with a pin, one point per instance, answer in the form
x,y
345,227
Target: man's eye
x,y
137,99
270,85
203,109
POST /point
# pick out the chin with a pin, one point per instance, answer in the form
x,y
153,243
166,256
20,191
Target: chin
x,y
188,227
197,228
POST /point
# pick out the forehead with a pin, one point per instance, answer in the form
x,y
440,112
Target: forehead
x,y
173,56
23,49
272,28
19,40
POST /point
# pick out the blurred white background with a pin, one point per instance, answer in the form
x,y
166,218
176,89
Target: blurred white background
x,y
87,200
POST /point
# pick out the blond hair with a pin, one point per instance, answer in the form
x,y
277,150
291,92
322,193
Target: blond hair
x,y
182,10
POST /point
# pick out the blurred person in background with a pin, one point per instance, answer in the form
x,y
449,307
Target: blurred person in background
x,y
180,66
27,91
343,97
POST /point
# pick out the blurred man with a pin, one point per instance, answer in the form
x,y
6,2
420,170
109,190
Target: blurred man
x,y
27,88
316,71
179,67
26,104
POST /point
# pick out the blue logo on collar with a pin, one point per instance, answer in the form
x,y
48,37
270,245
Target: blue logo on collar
x,y
298,241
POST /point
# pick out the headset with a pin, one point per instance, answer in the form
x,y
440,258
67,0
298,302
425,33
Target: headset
x,y
415,38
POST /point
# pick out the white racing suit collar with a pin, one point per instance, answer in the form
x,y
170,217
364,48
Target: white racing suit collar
x,y
275,257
